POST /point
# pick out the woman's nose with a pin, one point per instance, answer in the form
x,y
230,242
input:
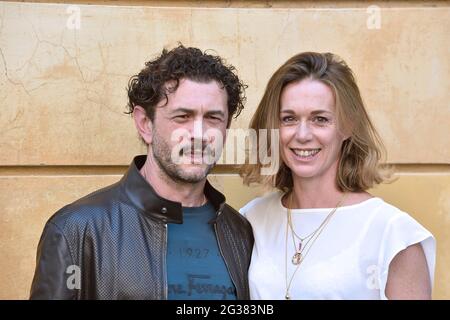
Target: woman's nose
x,y
303,132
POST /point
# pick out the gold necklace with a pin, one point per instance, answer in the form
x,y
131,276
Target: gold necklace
x,y
298,258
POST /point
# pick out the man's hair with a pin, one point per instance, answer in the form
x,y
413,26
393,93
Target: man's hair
x,y
149,87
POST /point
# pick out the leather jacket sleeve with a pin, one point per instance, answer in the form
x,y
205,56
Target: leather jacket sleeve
x,y
52,275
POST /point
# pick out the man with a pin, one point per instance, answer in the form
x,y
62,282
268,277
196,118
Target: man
x,y
162,231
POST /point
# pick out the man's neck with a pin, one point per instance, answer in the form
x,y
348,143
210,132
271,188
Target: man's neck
x,y
188,194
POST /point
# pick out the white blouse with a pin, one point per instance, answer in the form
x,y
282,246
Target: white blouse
x,y
350,258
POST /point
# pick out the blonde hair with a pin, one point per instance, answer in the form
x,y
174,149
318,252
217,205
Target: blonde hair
x,y
359,163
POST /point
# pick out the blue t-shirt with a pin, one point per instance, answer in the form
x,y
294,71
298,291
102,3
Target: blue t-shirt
x,y
195,267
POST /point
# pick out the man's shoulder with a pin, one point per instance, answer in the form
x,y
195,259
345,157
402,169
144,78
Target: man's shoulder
x,y
237,223
232,212
97,205
235,217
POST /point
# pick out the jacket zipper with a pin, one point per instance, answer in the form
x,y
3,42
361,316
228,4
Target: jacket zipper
x,y
166,280
225,260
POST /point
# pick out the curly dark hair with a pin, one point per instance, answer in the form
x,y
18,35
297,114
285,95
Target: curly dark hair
x,y
148,88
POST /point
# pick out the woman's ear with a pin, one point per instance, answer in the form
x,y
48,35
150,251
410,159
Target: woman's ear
x,y
143,124
346,137
346,133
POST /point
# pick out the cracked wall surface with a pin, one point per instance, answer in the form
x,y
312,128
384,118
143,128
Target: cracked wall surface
x,y
63,96
71,82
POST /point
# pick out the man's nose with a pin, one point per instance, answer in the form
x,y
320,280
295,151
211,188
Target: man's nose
x,y
198,132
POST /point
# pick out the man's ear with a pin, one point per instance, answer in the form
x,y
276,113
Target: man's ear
x,y
143,124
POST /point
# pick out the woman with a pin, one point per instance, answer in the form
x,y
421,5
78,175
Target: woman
x,y
322,235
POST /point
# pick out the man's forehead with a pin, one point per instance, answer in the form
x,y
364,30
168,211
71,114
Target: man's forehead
x,y
196,95
172,84
197,109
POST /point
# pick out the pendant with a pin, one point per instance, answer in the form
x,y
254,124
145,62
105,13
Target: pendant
x,y
297,258
287,297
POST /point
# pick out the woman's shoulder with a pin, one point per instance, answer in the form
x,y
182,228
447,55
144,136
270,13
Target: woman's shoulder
x,y
379,213
387,215
366,203
262,203
387,211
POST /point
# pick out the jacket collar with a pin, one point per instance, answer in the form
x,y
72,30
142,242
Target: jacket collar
x,y
143,196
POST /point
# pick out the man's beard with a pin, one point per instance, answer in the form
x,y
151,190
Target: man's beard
x,y
162,153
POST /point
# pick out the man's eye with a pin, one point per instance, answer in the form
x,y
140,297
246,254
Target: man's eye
x,y
182,117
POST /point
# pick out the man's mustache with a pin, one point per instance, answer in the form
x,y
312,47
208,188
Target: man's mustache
x,y
207,153
199,147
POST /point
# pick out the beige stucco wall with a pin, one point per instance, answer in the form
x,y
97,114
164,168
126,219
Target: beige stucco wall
x,y
62,91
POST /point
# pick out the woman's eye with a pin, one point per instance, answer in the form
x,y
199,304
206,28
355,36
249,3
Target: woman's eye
x,y
287,119
321,120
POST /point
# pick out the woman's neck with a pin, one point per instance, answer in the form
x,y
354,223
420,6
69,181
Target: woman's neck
x,y
307,194
312,194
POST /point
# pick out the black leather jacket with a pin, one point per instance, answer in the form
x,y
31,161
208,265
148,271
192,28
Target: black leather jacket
x,y
112,243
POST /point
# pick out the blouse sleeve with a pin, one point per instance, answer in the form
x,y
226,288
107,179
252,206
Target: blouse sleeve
x,y
401,232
